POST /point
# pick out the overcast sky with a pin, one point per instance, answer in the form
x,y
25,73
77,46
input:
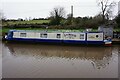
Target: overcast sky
x,y
14,9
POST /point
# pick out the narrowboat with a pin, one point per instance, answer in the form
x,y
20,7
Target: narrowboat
x,y
58,37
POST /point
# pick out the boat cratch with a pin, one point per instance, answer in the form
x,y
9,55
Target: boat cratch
x,y
59,37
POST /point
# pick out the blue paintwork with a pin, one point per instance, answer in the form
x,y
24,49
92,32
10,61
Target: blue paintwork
x,y
95,42
74,41
56,41
36,40
83,42
10,35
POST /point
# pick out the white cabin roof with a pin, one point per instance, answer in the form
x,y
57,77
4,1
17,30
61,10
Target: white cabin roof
x,y
55,31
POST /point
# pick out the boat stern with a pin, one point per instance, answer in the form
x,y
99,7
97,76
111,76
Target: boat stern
x,y
108,42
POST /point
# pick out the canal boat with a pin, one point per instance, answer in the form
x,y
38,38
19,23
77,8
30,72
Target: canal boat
x,y
58,37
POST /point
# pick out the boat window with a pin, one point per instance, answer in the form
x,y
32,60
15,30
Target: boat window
x,y
22,34
81,36
10,34
58,36
43,35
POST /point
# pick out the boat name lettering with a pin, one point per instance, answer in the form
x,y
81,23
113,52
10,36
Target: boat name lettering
x,y
71,36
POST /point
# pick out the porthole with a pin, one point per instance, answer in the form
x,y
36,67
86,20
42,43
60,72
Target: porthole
x,y
97,36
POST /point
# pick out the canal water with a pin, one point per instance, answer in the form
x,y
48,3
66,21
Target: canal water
x,y
58,61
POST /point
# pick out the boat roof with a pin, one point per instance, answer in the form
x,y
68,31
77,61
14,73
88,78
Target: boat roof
x,y
56,31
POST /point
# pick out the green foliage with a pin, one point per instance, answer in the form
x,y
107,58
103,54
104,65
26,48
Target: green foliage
x,y
25,22
69,19
117,19
57,15
55,20
58,23
84,22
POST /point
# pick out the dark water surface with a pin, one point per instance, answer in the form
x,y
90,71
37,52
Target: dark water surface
x,y
58,61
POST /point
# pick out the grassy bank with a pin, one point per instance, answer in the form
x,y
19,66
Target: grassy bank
x,y
7,29
26,22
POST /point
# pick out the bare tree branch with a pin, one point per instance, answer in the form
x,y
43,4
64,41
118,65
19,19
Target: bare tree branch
x,y
57,14
106,8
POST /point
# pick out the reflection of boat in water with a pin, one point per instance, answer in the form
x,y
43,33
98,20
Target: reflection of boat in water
x,y
98,56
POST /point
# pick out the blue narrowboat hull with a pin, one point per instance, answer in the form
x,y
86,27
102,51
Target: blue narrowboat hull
x,y
83,42
34,40
56,41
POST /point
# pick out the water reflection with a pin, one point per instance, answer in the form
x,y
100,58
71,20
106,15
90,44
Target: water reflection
x,y
59,61
99,57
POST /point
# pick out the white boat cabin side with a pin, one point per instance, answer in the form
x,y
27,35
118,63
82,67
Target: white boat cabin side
x,y
96,36
37,35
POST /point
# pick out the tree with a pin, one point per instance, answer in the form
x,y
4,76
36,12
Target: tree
x,y
69,19
57,15
106,9
2,17
117,19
